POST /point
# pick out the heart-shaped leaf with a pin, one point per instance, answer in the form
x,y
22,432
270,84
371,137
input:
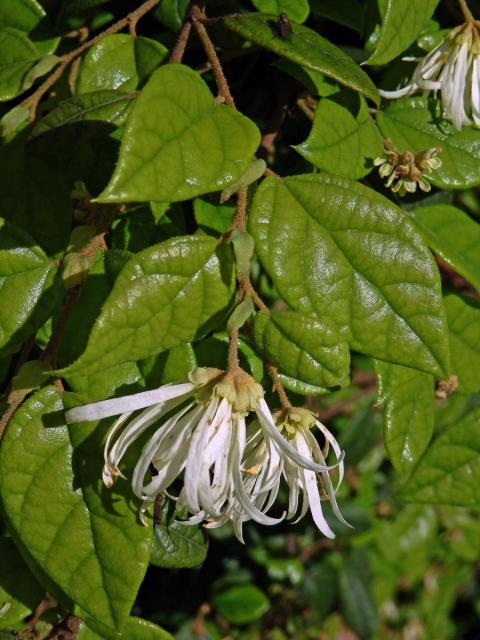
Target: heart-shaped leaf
x,y
179,142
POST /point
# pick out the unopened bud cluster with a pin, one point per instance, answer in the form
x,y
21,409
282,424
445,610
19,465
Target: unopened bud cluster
x,y
405,171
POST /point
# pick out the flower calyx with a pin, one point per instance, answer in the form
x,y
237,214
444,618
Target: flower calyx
x,y
290,419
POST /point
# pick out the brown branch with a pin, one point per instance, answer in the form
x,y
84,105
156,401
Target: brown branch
x,y
222,84
66,629
278,386
46,603
467,14
132,18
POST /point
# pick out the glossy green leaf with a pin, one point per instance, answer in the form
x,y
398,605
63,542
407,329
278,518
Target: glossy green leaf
x,y
241,604
171,13
17,55
24,270
173,123
314,81
449,472
341,143
106,106
18,587
362,267
23,15
408,399
303,347
297,10
173,365
177,546
120,62
306,47
416,124
402,22
454,236
213,352
463,317
170,293
86,538
133,629
300,387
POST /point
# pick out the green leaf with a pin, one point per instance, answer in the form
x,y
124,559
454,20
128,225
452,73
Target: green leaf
x,y
408,399
119,62
362,267
105,106
356,601
306,47
303,347
341,143
297,10
350,13
211,216
241,604
179,142
213,352
35,194
177,546
449,472
85,538
402,22
24,270
18,587
416,124
23,15
454,236
463,317
17,55
171,13
133,629
173,365
300,387
314,81
170,293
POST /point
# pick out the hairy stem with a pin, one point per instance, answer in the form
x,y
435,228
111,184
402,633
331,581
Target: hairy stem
x,y
130,20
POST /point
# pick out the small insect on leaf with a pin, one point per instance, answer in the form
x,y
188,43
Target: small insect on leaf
x,y
284,28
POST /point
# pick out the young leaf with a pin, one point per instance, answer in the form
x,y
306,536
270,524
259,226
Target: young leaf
x,y
173,123
18,54
362,267
416,124
341,143
454,236
408,399
170,293
306,47
449,472
402,22
241,604
303,347
463,317
24,270
119,61
85,538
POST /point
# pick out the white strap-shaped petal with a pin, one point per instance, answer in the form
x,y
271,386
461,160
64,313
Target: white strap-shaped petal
x,y
266,420
249,508
182,419
138,425
399,93
195,457
124,404
476,91
310,486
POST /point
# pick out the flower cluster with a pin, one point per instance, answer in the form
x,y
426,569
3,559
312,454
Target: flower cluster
x,y
453,68
231,471
406,170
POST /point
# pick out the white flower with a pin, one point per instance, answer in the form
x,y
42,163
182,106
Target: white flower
x,y
304,465
200,433
453,68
